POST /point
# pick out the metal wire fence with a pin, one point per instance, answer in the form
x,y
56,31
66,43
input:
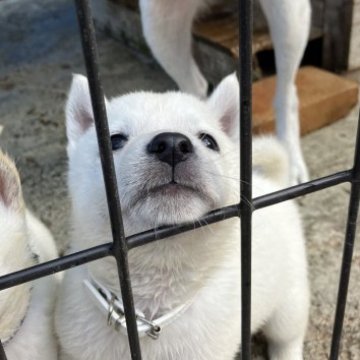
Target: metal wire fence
x,y
120,245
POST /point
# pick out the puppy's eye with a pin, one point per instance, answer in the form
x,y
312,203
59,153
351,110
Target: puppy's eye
x,y
209,141
118,141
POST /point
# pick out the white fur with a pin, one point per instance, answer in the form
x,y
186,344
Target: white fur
x,y
21,236
167,29
205,263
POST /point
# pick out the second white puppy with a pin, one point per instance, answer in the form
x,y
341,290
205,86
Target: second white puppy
x,y
176,158
26,311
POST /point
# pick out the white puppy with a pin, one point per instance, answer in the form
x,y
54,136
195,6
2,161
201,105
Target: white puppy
x,y
26,311
167,29
176,159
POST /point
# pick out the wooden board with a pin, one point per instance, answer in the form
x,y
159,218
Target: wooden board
x,y
324,98
222,31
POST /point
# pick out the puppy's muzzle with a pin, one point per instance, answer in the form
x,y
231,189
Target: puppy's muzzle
x,y
171,148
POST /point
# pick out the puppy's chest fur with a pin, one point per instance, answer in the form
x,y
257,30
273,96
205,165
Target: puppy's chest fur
x,y
167,275
164,275
159,291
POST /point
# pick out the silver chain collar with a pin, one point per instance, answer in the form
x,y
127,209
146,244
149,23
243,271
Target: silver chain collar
x,y
112,307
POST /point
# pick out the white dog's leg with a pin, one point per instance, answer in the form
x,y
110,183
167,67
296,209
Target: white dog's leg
x,y
286,328
167,28
289,23
63,356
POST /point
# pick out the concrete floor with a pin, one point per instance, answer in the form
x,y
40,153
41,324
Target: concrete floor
x,y
40,49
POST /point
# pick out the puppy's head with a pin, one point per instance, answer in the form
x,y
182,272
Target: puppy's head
x,y
14,248
175,156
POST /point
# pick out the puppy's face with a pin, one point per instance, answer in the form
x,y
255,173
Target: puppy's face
x,y
175,156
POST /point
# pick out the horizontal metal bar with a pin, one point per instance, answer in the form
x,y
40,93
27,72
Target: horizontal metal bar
x,y
234,210
164,232
302,189
54,266
101,251
146,237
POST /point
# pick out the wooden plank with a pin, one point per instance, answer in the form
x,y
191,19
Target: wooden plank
x,y
324,98
223,33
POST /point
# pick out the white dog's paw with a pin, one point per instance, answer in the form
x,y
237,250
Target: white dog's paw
x,y
287,351
298,170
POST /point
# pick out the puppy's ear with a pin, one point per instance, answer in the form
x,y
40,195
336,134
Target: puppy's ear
x,y
225,103
79,113
10,187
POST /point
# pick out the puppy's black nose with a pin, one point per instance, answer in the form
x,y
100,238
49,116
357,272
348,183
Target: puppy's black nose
x,y
171,148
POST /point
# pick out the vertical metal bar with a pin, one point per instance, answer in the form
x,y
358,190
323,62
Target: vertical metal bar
x,y
2,352
347,251
245,56
119,242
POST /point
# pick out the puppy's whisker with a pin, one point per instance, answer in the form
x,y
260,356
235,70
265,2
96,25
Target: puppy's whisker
x,y
226,177
234,179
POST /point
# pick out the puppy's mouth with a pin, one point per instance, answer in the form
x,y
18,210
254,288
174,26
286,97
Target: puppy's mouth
x,y
173,188
170,191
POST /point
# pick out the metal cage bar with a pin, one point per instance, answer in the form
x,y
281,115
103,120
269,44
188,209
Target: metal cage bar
x,y
119,249
120,245
347,251
245,56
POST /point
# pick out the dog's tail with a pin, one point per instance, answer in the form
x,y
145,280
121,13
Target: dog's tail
x,y
271,160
